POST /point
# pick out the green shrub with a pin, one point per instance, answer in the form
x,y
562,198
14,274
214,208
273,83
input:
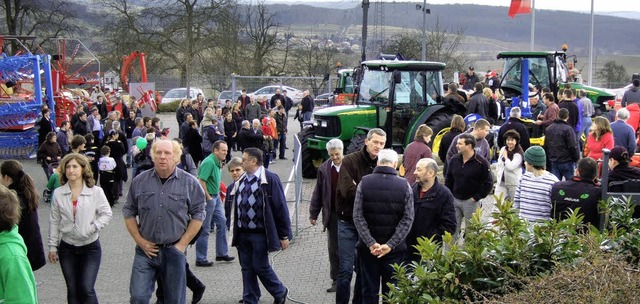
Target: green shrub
x,y
168,107
502,257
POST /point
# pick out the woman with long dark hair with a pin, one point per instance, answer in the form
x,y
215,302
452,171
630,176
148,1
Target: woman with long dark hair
x,y
510,164
79,210
14,178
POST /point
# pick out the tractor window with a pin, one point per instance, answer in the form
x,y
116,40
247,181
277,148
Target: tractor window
x,y
374,86
414,92
538,72
348,84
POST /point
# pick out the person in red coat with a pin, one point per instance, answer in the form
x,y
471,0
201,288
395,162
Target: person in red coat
x,y
601,137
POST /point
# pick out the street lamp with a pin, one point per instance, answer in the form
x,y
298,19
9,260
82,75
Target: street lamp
x,y
425,11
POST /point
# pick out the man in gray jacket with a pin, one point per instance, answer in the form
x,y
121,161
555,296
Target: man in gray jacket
x,y
324,199
253,110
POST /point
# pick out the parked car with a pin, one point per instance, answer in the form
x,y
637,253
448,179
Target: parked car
x,y
268,91
224,95
180,93
322,100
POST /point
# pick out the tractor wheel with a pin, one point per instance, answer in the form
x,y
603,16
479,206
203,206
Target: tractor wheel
x,y
356,144
439,121
310,159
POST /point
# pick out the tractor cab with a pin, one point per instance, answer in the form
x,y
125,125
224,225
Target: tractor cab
x,y
546,69
399,92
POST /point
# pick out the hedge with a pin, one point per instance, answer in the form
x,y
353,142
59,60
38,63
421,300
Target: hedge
x,y
168,107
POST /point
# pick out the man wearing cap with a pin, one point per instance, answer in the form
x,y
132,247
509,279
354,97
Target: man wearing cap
x,y
579,192
619,159
560,143
610,106
471,80
632,95
469,178
623,134
533,194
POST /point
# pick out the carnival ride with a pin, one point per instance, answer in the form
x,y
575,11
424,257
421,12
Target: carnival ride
x,y
26,86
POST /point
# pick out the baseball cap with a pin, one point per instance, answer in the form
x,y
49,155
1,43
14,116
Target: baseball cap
x,y
611,103
620,154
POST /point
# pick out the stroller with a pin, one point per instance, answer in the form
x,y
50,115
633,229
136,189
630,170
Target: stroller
x,y
50,167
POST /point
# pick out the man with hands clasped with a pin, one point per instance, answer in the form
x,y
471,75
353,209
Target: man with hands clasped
x,y
383,215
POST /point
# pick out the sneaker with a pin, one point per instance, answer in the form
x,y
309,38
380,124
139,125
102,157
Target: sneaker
x,y
204,263
225,258
283,158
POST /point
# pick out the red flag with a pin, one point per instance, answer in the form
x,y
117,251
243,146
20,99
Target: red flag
x,y
519,7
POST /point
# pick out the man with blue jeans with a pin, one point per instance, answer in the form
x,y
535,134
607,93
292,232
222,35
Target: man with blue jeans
x,y
169,206
353,168
209,176
561,148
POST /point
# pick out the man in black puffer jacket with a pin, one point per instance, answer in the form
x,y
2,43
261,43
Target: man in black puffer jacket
x,y
383,215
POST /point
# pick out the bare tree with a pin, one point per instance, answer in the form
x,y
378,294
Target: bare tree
x,y
313,58
174,29
613,74
47,19
443,45
262,30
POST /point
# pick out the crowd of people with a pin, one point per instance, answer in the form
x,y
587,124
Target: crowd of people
x,y
100,143
374,217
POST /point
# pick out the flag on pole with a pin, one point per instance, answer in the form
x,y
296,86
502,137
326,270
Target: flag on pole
x,y
519,7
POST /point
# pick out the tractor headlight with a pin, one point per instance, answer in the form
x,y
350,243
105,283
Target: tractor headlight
x,y
323,123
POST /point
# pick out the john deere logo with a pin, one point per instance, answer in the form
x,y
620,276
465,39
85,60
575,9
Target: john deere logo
x,y
561,192
584,196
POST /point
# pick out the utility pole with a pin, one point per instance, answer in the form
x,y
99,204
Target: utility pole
x,y
425,11
590,80
365,16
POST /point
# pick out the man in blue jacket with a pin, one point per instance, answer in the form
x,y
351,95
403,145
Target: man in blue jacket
x,y
261,225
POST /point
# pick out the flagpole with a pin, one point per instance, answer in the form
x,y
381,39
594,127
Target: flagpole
x,y
591,47
533,24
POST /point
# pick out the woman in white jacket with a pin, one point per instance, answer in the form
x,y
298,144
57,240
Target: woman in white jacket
x,y
79,210
510,164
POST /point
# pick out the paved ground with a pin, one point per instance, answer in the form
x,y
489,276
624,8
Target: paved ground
x,y
304,267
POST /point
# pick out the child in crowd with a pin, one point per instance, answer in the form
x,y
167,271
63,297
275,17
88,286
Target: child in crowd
x,y
107,165
299,116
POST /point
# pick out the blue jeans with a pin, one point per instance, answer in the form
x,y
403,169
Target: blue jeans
x,y
254,263
219,219
169,266
562,169
129,155
80,267
347,239
282,138
586,125
306,116
373,270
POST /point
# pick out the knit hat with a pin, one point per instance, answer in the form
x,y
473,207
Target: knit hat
x,y
620,154
535,156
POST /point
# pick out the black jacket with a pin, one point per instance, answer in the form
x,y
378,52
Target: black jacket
x,y
620,173
45,126
445,143
471,179
560,142
29,229
571,194
354,167
514,123
272,102
478,105
434,214
80,128
307,104
574,112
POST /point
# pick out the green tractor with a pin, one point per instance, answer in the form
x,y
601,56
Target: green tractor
x,y
546,69
396,96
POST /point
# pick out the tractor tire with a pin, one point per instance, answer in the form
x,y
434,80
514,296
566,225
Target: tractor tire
x,y
356,144
308,156
439,121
